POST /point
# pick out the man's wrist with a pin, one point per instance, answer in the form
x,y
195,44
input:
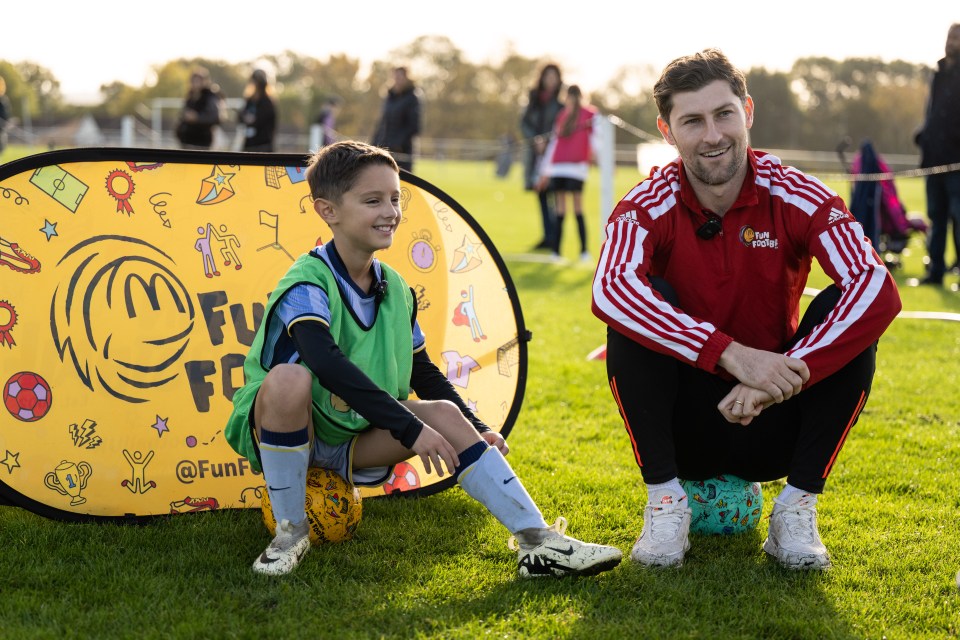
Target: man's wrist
x,y
729,356
709,358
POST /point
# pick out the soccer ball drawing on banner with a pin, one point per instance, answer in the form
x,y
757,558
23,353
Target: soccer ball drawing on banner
x,y
333,506
27,396
403,478
724,505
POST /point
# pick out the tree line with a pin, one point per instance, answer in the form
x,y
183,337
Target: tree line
x,y
813,106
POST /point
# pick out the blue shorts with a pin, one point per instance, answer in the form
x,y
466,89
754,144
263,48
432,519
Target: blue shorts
x,y
336,457
339,458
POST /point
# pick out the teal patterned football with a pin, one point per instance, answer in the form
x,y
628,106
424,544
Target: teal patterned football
x,y
724,505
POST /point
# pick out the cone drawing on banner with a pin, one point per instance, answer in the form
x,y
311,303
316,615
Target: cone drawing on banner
x,y
133,283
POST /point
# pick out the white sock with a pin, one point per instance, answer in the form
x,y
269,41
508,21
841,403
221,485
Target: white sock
x,y
285,472
672,490
492,483
791,495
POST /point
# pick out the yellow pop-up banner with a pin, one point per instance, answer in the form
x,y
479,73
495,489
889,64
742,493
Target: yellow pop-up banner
x,y
131,284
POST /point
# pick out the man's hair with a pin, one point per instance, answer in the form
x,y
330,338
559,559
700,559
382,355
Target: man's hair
x,y
694,72
333,170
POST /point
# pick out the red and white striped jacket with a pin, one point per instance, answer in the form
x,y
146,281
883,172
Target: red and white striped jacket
x,y
745,283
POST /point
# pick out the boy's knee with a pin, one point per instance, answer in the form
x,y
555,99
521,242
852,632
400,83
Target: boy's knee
x,y
445,415
446,410
286,381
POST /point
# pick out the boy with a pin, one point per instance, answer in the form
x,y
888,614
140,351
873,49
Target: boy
x,y
330,369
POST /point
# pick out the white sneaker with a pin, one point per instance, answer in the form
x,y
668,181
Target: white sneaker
x,y
793,538
286,550
666,534
585,257
560,555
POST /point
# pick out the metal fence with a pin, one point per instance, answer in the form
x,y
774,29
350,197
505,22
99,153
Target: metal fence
x,y
135,133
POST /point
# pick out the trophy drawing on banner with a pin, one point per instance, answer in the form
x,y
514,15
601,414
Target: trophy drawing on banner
x,y
69,479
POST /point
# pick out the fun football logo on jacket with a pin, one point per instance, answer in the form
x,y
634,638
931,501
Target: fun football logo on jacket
x,y
757,239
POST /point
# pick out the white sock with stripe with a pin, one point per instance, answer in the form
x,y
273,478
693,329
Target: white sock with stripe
x,y
790,495
672,491
285,458
492,483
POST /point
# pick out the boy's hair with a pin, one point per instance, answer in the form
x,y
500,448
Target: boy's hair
x,y
694,72
333,169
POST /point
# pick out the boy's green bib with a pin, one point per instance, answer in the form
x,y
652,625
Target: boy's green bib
x,y
384,353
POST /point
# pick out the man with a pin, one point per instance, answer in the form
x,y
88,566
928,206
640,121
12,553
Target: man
x,y
400,119
700,281
939,142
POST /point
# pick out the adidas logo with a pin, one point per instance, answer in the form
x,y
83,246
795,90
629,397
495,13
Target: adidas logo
x,y
836,216
629,217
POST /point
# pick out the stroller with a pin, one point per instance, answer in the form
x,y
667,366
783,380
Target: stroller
x,y
876,205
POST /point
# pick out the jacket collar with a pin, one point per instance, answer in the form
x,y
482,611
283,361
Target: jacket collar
x,y
748,190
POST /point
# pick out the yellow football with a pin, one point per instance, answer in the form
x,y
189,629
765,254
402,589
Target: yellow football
x,y
333,507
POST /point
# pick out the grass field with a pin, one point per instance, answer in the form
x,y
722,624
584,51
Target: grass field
x,y
439,567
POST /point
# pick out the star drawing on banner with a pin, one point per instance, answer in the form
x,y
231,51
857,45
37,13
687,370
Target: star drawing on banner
x,y
469,248
11,461
160,425
49,229
219,179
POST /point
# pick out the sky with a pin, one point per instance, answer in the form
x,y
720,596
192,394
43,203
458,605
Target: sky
x,y
94,42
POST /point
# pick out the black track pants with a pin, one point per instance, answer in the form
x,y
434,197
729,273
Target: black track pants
x,y
670,413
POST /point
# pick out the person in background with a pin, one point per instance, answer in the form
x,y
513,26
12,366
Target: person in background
x,y
536,123
6,113
566,164
200,112
259,114
327,119
700,282
506,155
400,119
939,141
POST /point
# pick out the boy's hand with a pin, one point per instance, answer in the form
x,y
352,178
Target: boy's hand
x,y
494,439
433,447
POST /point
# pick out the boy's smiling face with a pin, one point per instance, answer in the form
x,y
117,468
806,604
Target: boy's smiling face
x,y
366,218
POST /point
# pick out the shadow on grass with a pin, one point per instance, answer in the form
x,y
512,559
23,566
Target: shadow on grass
x,y
455,584
726,590
431,568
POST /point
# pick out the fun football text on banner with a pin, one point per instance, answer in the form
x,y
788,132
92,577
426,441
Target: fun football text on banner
x,y
131,284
